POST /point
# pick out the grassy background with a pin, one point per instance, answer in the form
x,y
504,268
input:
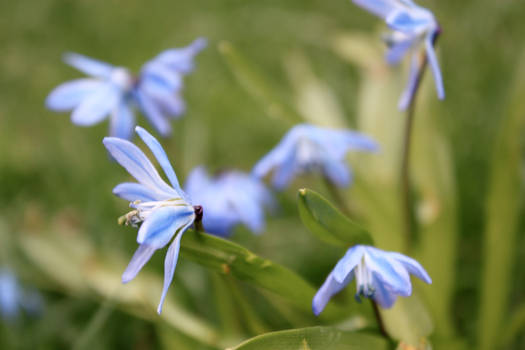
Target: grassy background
x,y
54,174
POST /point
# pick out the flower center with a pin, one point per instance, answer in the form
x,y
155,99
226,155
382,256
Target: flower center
x,y
122,78
143,209
363,277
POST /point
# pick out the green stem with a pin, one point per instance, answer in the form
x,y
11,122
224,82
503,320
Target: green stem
x,y
379,319
405,161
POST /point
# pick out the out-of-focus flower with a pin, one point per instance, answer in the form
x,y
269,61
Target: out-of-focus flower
x,y
412,27
160,84
380,275
307,148
229,199
14,297
114,91
163,211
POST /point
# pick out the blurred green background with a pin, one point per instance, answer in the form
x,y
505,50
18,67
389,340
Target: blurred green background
x,y
56,177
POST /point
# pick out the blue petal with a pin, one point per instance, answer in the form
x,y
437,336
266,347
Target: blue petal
x,y
286,170
404,22
181,60
160,154
197,181
276,156
169,266
337,172
122,121
158,76
69,95
398,50
97,106
348,262
139,259
132,191
173,104
383,295
9,294
380,8
163,223
137,164
412,266
434,65
88,65
152,111
329,288
410,89
389,271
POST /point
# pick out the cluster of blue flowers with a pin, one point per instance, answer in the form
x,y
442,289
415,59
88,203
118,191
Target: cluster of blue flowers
x,y
164,211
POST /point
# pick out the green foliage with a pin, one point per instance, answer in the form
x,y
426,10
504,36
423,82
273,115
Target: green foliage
x,y
314,338
328,223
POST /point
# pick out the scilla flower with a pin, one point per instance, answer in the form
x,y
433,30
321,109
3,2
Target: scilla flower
x,y
379,275
307,148
107,92
229,199
115,92
163,211
412,27
13,297
160,84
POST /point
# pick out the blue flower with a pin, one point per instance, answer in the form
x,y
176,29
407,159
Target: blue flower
x,y
229,199
114,91
13,296
379,275
307,148
412,27
160,84
163,210
107,92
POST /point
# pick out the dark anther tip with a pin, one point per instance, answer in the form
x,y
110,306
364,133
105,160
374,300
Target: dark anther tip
x,y
198,212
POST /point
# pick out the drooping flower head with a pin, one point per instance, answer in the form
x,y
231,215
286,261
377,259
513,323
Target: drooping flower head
x,y
308,148
14,297
379,275
229,199
115,92
163,211
412,26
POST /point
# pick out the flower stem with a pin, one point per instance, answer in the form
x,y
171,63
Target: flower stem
x,y
379,319
407,143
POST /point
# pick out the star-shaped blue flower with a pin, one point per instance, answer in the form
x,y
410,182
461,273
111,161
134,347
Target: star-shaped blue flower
x,y
307,148
412,27
379,275
229,199
163,210
115,92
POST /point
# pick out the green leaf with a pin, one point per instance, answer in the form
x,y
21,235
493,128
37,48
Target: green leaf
x,y
408,321
230,258
503,216
328,223
314,338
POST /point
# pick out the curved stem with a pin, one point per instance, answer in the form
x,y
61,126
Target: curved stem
x,y
379,319
407,143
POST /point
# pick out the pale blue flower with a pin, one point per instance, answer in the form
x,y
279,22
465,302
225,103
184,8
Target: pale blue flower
x,y
115,92
412,27
163,210
229,199
158,92
13,297
106,93
307,148
379,275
